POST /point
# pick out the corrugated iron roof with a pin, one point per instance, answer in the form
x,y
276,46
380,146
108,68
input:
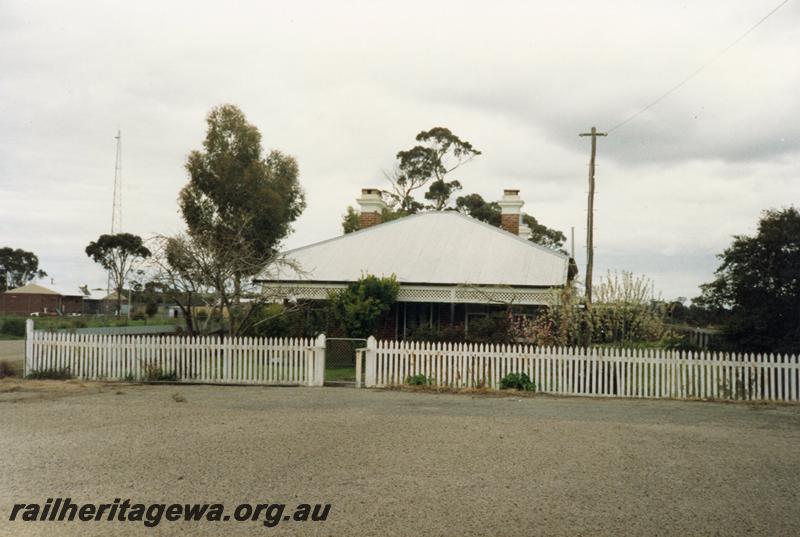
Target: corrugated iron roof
x,y
32,289
440,247
46,288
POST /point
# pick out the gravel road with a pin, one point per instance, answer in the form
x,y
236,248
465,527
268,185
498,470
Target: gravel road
x,y
396,463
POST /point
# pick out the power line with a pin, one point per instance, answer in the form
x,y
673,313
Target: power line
x,y
699,69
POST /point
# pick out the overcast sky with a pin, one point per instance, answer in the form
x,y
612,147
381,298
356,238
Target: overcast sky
x,y
343,86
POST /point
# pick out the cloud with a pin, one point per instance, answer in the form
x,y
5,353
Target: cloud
x,y
344,86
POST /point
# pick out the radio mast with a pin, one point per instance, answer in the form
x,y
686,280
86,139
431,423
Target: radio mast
x,y
116,211
116,203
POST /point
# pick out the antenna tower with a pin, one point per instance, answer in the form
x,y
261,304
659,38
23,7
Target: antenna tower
x,y
116,212
116,204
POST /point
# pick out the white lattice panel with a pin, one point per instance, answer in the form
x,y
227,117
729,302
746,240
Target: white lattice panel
x,y
434,294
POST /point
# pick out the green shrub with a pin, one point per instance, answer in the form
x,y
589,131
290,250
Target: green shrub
x,y
419,380
443,334
50,374
358,308
268,320
494,328
151,309
490,329
138,316
424,333
679,342
13,327
517,381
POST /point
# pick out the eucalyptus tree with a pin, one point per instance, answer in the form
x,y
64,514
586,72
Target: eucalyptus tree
x,y
238,205
119,254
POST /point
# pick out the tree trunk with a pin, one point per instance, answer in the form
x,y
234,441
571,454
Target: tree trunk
x,y
119,301
233,308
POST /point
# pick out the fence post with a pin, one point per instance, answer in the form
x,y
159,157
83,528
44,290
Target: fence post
x,y
359,368
319,361
28,347
370,360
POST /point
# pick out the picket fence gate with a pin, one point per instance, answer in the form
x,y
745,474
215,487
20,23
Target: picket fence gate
x,y
238,360
598,372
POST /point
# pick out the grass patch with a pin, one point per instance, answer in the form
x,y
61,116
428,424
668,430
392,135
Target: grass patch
x,y
6,337
340,374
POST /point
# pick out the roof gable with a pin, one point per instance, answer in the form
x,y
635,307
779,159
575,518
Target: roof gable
x,y
32,289
439,247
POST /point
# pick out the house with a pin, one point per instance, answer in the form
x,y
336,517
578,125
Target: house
x,y
452,269
35,298
108,304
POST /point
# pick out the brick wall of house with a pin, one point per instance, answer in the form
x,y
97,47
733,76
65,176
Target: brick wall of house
x,y
72,304
25,304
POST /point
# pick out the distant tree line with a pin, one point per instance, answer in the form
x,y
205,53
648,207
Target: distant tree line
x,y
17,268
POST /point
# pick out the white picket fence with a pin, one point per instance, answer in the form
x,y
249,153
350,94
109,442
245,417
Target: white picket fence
x,y
590,372
602,372
246,360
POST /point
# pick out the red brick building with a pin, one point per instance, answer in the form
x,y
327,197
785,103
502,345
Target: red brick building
x,y
33,298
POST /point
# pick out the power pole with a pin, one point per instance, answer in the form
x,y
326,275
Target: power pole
x,y
590,216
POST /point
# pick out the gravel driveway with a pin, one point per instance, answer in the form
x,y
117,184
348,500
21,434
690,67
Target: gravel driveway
x,y
396,463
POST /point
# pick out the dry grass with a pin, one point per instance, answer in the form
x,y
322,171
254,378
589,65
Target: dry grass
x,y
15,389
487,392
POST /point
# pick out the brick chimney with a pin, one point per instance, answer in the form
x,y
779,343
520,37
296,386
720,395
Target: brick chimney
x,y
370,207
510,214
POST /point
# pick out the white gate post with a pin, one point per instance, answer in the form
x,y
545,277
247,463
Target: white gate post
x,y
319,361
370,361
359,367
28,347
